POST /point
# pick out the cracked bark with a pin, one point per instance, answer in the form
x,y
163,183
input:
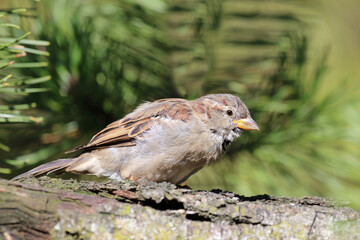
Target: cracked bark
x,y
50,208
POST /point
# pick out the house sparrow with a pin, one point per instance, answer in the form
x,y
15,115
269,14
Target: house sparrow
x,y
165,140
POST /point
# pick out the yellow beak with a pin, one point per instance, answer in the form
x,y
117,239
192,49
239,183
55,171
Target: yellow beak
x,y
247,124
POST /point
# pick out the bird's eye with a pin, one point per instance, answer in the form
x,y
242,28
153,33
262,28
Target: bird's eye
x,y
229,112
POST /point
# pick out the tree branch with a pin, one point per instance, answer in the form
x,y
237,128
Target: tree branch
x,y
53,208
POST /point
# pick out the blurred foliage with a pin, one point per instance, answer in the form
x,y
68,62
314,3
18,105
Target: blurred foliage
x,y
14,84
106,57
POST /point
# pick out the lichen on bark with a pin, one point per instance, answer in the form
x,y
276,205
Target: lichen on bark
x,y
50,208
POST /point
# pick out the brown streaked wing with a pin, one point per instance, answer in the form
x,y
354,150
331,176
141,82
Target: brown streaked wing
x,y
115,135
157,108
122,133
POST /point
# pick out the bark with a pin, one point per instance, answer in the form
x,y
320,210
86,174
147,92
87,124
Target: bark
x,y
49,208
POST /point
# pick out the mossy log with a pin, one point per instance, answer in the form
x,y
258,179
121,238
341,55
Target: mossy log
x,y
50,208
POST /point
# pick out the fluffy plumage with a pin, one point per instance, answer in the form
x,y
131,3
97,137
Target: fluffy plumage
x,y
165,140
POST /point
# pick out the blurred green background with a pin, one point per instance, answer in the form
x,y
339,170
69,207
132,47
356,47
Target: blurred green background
x,y
296,65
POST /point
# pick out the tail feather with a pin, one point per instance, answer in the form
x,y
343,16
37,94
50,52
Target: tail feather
x,y
48,167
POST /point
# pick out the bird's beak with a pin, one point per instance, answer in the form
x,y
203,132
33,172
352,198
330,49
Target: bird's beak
x,y
247,124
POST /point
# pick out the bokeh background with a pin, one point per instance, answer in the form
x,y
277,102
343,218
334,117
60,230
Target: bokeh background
x,y
296,65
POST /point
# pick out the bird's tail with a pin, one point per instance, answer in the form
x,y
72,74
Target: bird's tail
x,y
48,167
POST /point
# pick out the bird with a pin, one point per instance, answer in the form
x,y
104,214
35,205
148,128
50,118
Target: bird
x,y
167,140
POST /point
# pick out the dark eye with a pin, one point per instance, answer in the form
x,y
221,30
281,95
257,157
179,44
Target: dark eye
x,y
229,112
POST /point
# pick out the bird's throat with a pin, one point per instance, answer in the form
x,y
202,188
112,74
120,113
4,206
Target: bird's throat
x,y
225,144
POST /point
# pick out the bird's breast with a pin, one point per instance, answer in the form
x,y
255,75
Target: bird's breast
x,y
172,152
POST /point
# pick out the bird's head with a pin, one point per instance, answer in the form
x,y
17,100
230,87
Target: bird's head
x,y
226,115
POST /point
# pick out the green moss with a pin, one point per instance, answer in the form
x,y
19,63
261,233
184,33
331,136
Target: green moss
x,y
125,210
197,234
168,196
236,212
119,235
213,210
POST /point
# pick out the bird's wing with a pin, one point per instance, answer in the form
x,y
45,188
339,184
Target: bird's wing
x,y
122,133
